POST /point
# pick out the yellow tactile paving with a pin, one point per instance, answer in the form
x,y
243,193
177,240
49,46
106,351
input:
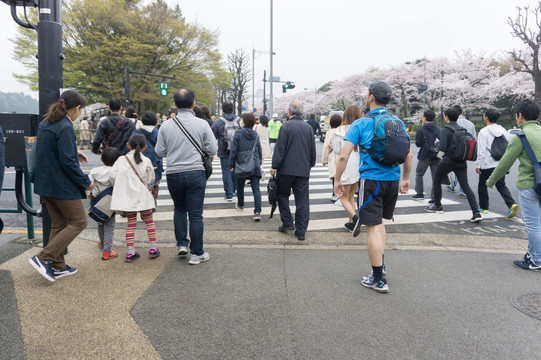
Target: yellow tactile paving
x,y
85,316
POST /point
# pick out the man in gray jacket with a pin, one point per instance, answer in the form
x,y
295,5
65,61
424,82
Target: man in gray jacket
x,y
293,157
185,172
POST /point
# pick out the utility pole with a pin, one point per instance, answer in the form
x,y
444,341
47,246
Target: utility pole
x,y
442,121
271,110
253,80
50,68
264,88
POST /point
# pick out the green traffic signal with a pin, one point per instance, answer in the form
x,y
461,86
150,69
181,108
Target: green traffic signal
x,y
163,88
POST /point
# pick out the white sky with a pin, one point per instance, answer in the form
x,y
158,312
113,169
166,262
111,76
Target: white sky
x,y
320,41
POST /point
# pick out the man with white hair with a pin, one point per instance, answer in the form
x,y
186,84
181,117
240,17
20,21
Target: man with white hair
x,y
294,156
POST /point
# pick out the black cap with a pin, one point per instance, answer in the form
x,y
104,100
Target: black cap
x,y
380,89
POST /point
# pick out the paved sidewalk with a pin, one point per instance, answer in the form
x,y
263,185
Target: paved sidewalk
x,y
264,295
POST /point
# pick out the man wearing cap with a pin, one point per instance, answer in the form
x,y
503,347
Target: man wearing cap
x,y
274,129
378,184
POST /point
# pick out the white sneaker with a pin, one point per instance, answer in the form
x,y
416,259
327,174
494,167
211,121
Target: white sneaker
x,y
182,250
197,259
338,202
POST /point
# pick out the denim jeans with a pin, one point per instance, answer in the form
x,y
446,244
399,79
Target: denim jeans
x,y
256,190
482,189
187,190
229,179
531,212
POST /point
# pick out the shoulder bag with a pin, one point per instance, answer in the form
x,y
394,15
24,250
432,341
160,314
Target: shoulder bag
x,y
207,160
533,159
114,132
245,162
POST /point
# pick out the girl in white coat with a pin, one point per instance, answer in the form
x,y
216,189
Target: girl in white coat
x,y
350,176
133,175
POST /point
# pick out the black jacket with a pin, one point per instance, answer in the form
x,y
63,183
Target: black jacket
x,y
315,126
107,128
431,132
244,140
295,150
446,135
57,173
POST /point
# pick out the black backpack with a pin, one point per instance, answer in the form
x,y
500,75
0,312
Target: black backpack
x,y
391,143
463,145
498,147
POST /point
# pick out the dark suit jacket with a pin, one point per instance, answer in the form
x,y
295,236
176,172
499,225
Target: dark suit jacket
x,y
295,150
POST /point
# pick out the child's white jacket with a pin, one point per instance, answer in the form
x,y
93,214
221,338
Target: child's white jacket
x,y
129,193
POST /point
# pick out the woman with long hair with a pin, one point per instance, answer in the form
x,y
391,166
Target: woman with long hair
x,y
61,183
263,131
350,176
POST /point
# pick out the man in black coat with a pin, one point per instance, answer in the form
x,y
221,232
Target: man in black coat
x,y
113,131
294,156
315,125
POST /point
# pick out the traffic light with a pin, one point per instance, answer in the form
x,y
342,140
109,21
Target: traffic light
x,y
288,85
163,88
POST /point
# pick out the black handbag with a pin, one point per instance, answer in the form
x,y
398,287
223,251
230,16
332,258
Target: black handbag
x,y
245,162
207,160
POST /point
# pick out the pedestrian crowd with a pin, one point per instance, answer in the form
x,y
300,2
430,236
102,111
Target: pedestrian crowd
x,y
367,151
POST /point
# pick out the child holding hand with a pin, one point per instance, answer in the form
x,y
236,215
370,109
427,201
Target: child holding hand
x,y
102,179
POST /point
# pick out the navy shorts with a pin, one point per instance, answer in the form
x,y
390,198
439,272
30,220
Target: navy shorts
x,y
376,201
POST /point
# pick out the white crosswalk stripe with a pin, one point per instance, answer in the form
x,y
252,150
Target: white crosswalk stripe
x,y
327,215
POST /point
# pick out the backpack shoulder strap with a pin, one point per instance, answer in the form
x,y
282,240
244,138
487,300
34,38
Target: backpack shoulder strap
x,y
522,136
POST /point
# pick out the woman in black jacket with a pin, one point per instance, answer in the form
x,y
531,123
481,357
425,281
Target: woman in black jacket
x,y
61,183
247,139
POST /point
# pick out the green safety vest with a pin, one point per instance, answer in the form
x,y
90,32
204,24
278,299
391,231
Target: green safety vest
x,y
274,127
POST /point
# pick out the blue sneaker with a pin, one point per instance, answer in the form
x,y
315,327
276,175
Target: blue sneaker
x,y
527,265
512,211
43,267
483,211
418,197
66,272
380,286
451,188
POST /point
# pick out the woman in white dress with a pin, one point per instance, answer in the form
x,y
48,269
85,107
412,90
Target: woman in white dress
x,y
350,176
262,129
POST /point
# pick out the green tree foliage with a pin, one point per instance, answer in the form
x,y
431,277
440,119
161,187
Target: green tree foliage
x,y
18,102
102,37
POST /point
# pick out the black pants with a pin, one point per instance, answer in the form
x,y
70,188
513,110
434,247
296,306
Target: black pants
x,y
302,201
500,186
461,172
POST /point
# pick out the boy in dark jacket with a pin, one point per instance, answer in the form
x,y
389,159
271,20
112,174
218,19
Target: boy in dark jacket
x,y
246,139
448,164
425,139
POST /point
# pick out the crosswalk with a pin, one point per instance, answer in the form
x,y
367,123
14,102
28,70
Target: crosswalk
x,y
324,214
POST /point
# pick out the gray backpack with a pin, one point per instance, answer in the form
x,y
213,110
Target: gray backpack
x,y
230,128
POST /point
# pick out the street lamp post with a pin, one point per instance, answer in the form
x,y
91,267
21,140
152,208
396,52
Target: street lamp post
x,y
271,73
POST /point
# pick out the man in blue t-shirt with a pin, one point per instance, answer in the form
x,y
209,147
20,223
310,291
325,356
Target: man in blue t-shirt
x,y
378,184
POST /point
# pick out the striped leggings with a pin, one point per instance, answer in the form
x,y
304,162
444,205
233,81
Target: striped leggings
x,y
132,225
